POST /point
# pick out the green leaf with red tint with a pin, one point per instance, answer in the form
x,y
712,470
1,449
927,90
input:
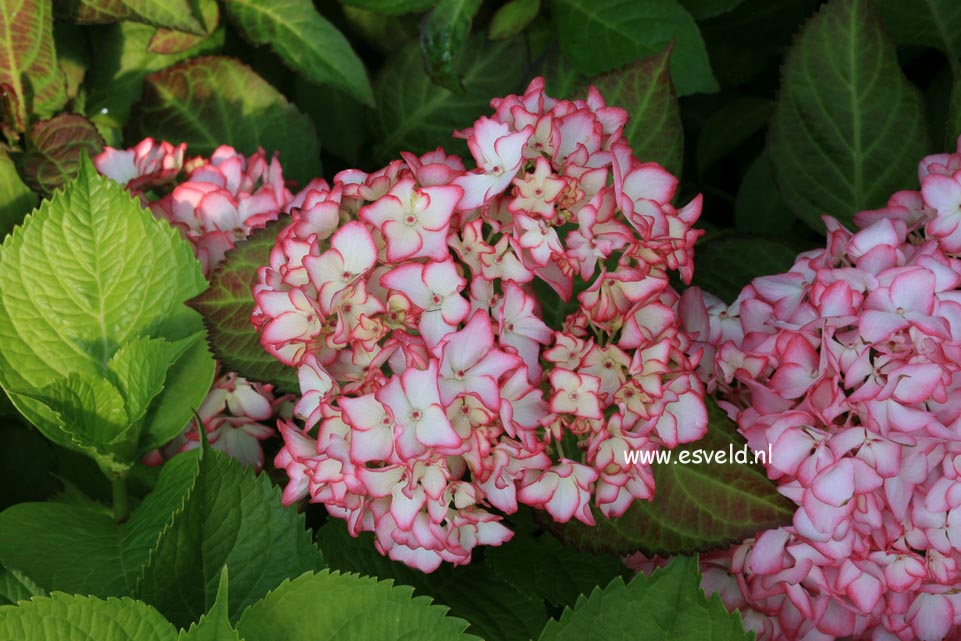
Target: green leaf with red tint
x,y
645,90
54,149
29,73
226,308
212,101
171,41
696,507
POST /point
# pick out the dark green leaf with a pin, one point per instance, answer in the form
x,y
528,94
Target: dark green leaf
x,y
115,83
306,41
416,115
929,23
667,606
644,89
953,127
442,37
696,507
724,266
600,35
848,127
16,586
495,609
55,148
758,209
732,124
512,18
213,101
392,7
232,518
702,9
215,625
226,307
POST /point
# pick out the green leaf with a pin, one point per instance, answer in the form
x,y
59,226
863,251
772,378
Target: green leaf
x,y
16,199
86,273
66,617
392,7
55,148
928,23
696,507
82,549
599,35
25,478
703,9
442,36
92,11
848,128
28,62
953,126
512,18
758,208
213,101
340,120
226,306
170,41
318,607
72,55
644,89
495,609
215,625
725,265
667,606
728,127
173,14
306,41
115,83
541,565
231,517
15,586
414,114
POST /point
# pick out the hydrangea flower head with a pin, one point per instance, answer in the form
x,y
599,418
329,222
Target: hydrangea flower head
x,y
435,391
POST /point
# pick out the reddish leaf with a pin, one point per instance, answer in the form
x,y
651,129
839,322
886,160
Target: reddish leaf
x,y
28,61
55,148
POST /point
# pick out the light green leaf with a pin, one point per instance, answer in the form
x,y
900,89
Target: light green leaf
x,y
696,507
495,609
512,18
16,586
212,101
392,7
758,208
442,36
28,61
414,114
117,274
326,606
115,83
82,549
644,89
231,518
732,124
16,199
66,617
226,307
215,625
667,606
600,35
848,128
929,23
306,41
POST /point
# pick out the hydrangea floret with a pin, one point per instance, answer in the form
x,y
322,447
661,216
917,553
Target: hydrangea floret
x,y
434,396
849,367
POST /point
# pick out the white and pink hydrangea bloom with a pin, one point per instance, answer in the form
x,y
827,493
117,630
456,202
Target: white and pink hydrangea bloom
x,y
848,367
443,394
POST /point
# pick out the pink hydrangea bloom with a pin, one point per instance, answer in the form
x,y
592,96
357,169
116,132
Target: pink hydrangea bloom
x,y
849,367
433,389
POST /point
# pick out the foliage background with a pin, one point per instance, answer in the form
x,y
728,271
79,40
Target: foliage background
x,y
777,112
